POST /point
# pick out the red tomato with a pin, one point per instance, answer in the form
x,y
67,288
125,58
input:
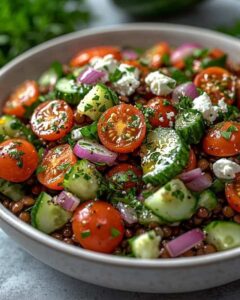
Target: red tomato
x,y
232,191
125,176
223,139
192,161
84,56
122,128
54,166
18,160
52,120
156,54
218,83
163,112
98,226
24,95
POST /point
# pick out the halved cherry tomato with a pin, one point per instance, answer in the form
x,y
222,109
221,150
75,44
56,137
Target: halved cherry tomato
x,y
223,139
98,226
24,95
84,56
163,112
122,128
156,53
54,166
52,120
232,191
125,176
218,83
18,160
192,161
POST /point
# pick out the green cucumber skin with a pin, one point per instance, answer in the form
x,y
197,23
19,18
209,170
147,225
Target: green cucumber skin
x,y
223,235
208,200
179,156
13,191
191,131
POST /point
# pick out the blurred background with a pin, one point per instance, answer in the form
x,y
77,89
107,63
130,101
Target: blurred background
x,y
26,23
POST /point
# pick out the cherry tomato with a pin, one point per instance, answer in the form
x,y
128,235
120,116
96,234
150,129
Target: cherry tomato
x,y
122,128
163,112
125,176
192,162
223,139
54,166
84,56
52,120
218,83
98,226
232,191
18,160
24,95
156,54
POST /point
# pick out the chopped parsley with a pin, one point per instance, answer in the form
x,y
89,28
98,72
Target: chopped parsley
x,y
85,234
41,169
228,133
115,232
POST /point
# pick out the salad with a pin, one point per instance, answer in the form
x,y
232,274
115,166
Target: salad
x,y
131,152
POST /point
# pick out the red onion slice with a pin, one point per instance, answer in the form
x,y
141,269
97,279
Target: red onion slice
x,y
200,183
184,242
90,76
94,152
129,54
190,175
183,51
128,213
187,89
68,201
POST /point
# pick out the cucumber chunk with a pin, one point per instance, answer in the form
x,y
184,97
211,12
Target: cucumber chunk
x,y
190,126
173,202
48,216
98,100
145,217
208,200
164,156
68,90
50,77
146,245
84,181
13,191
223,235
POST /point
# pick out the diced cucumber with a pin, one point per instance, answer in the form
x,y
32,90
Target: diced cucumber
x,y
146,245
145,217
13,191
218,185
164,155
190,126
173,202
223,235
48,216
208,200
84,181
99,99
68,90
50,77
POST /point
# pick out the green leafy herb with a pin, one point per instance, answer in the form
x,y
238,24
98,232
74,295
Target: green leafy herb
x,y
40,169
85,234
115,232
113,77
228,133
90,131
209,62
179,76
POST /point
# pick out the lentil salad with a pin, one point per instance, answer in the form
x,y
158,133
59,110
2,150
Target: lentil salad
x,y
127,151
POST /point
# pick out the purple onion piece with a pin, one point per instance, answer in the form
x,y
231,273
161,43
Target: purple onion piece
x,y
68,201
128,213
200,183
90,76
129,54
187,89
190,175
183,51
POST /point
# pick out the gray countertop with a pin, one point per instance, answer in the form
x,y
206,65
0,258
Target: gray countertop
x,y
23,277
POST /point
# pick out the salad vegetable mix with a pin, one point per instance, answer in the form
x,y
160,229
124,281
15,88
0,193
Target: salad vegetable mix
x,y
128,151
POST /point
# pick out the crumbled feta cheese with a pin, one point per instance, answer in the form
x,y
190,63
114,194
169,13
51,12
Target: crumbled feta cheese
x,y
222,106
161,119
159,83
225,168
203,104
170,115
107,64
129,80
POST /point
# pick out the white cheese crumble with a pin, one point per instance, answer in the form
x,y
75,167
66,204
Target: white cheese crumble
x,y
222,106
107,64
129,80
225,168
159,83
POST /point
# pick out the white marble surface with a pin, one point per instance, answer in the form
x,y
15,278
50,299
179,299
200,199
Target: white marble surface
x,y
23,277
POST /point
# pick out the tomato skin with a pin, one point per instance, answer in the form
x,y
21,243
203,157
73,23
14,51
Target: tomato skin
x,y
161,111
215,144
84,56
116,130
98,219
24,95
232,192
18,160
212,80
55,164
192,162
52,120
156,53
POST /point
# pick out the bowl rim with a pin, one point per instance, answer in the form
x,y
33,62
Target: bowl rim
x,y
48,241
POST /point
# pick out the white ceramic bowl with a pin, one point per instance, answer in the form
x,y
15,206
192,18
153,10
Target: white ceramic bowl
x,y
165,276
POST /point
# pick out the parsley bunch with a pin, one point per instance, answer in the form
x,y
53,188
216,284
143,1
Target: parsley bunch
x,y
24,24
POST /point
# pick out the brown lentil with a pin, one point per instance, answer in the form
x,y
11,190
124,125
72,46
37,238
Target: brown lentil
x,y
203,164
197,221
17,207
167,231
128,233
79,118
228,212
188,253
6,203
28,201
208,249
67,232
25,217
202,213
57,236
